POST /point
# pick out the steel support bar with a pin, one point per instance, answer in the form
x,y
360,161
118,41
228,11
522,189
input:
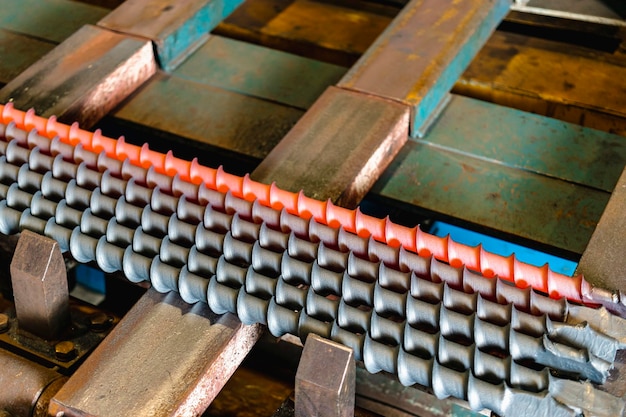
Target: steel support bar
x,y
339,147
40,286
325,380
603,262
176,27
83,78
423,52
165,358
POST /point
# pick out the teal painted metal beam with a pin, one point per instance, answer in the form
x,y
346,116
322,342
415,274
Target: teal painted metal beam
x,y
176,27
487,186
424,51
545,146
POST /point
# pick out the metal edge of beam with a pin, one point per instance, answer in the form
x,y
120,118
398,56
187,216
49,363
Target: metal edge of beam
x,y
164,358
83,78
419,57
176,28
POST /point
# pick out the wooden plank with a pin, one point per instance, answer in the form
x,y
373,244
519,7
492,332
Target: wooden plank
x,y
420,56
259,72
570,83
339,148
325,31
83,78
177,27
209,115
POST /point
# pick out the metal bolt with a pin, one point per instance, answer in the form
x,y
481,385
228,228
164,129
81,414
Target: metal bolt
x,y
4,323
100,322
65,351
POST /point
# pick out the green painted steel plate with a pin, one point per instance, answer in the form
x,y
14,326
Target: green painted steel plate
x,y
260,72
51,20
530,142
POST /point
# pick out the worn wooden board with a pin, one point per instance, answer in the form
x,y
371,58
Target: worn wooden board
x,y
320,30
570,83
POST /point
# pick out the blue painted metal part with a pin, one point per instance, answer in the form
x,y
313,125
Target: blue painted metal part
x,y
176,28
423,52
502,247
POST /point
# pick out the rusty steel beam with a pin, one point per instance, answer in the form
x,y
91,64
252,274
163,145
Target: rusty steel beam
x,y
165,358
40,286
423,52
339,147
603,262
176,27
83,78
325,379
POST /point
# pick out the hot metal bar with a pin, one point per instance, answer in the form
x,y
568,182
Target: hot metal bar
x,y
439,335
177,28
423,52
380,230
83,78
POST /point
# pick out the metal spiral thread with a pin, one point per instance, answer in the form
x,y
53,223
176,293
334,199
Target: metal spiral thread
x,y
450,329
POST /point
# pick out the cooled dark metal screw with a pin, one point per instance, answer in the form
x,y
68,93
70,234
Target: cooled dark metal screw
x,y
100,322
4,323
65,351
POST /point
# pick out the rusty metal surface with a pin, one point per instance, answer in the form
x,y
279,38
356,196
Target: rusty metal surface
x,y
339,148
83,78
209,115
18,52
66,353
26,386
325,380
422,53
165,357
177,27
259,72
40,286
604,262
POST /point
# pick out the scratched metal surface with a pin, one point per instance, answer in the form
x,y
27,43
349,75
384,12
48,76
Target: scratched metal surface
x,y
260,72
547,147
